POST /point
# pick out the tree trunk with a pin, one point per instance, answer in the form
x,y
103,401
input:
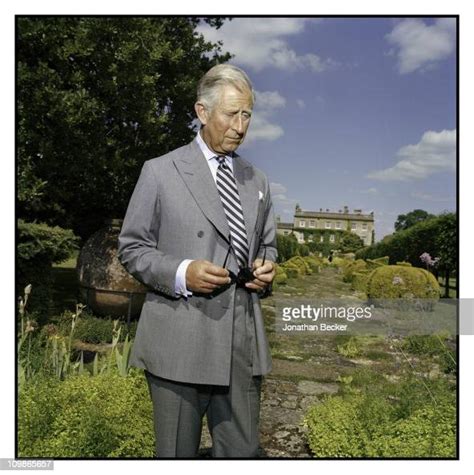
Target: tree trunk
x,y
446,285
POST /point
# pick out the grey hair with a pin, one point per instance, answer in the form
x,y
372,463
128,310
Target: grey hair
x,y
210,84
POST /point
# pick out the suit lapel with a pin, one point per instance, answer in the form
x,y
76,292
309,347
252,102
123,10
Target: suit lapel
x,y
195,172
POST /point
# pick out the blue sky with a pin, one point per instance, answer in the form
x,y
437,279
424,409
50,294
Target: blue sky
x,y
351,111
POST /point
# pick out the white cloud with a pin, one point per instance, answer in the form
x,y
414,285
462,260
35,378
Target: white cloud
x,y
262,129
435,152
269,100
300,103
370,191
429,197
420,46
261,125
281,202
258,43
277,188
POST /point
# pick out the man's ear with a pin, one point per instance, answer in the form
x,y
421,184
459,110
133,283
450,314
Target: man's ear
x,y
201,112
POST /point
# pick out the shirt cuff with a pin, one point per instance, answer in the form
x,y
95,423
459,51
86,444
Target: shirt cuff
x,y
180,282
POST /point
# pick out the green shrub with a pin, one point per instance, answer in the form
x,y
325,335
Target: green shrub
x,y
280,279
91,329
39,245
351,348
393,282
355,266
424,344
339,262
428,432
403,263
347,426
300,264
391,420
359,281
314,263
84,416
291,271
375,263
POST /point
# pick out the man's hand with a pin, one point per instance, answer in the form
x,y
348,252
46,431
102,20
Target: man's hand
x,y
263,275
204,277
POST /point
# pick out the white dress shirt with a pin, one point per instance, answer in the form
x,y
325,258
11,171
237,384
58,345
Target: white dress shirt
x,y
211,159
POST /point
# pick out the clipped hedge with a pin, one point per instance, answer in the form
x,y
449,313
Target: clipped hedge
x,y
298,263
356,266
86,416
375,263
359,281
393,282
315,263
280,276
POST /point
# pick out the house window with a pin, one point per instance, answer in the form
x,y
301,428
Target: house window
x,y
331,238
286,233
312,224
354,226
328,225
310,238
364,226
302,224
338,225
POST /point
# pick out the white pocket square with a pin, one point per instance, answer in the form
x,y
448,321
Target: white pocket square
x,y
260,195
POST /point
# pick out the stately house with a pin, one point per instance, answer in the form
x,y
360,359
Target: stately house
x,y
305,223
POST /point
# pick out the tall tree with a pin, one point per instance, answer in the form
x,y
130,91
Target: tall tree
x,y
96,98
405,221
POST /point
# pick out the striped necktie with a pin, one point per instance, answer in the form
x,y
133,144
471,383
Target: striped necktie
x,y
229,194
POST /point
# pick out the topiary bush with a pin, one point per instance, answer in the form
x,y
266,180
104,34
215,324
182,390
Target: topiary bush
x,y
359,281
86,416
280,276
375,263
356,266
291,271
394,282
298,263
314,263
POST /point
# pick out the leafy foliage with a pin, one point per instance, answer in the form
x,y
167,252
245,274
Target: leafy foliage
x,y
373,418
38,246
86,416
405,221
97,97
436,236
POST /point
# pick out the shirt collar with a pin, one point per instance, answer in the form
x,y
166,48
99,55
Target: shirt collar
x,y
208,153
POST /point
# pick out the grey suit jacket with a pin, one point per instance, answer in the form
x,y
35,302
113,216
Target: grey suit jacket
x,y
175,213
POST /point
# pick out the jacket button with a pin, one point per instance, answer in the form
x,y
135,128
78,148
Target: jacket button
x,y
200,234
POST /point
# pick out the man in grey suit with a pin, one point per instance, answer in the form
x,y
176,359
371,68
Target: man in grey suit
x,y
199,218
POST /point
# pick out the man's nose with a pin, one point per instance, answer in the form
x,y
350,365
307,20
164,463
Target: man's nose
x,y
238,124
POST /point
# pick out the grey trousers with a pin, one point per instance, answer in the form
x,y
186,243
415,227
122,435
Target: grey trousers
x,y
232,411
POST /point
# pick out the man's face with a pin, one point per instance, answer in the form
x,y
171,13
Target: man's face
x,y
226,124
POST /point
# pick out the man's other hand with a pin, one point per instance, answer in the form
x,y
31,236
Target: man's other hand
x,y
204,277
264,275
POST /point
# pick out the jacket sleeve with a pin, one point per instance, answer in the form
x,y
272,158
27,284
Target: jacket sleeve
x,y
138,249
